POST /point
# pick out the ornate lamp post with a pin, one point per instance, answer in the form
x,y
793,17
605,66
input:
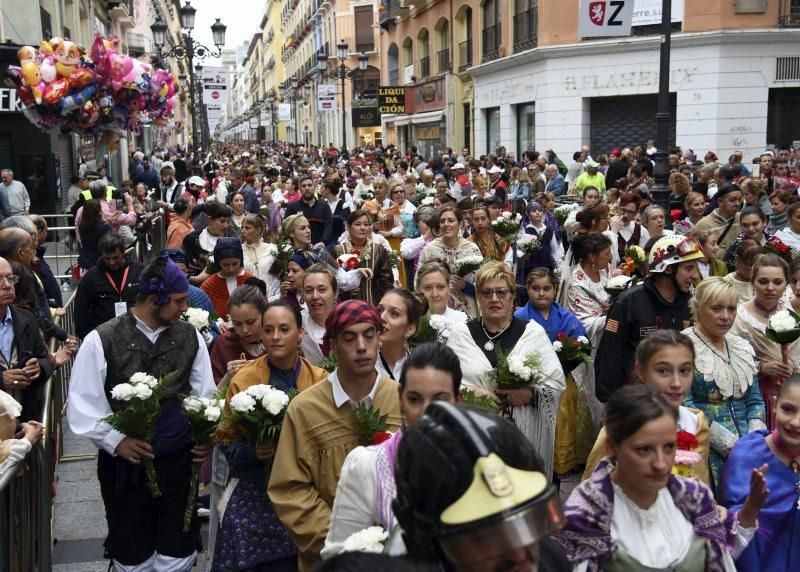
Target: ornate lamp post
x,y
341,72
189,50
661,168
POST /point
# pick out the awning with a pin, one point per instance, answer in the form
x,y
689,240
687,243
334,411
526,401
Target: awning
x,y
427,117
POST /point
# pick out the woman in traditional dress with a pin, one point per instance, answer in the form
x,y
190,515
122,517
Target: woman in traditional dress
x,y
725,386
401,312
372,257
665,361
319,290
491,245
770,279
449,247
179,224
251,537
632,513
574,425
218,225
367,487
550,253
790,235
534,408
771,458
433,282
259,256
237,209
744,256
709,265
754,224
228,257
427,220
390,223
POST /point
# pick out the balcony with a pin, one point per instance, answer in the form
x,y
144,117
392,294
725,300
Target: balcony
x,y
465,55
526,30
789,14
138,45
424,67
491,43
443,57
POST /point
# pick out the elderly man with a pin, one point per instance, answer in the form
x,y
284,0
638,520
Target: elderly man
x,y
320,429
591,178
462,187
497,184
555,181
19,203
108,289
145,533
24,360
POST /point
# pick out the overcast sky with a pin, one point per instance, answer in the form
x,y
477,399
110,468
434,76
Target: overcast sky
x,y
241,16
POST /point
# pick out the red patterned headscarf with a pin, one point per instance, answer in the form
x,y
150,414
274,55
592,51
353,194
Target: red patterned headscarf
x,y
348,314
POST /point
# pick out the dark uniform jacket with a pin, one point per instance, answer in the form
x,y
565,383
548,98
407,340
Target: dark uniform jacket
x,y
636,314
95,298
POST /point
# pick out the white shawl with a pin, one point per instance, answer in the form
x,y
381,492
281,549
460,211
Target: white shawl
x,y
538,424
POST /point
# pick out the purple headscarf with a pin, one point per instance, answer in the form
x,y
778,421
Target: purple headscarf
x,y
173,282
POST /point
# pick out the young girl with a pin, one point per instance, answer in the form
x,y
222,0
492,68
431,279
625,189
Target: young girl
x,y
401,311
771,460
744,257
665,362
632,513
709,265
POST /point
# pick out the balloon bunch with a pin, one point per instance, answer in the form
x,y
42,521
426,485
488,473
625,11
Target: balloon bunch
x,y
103,91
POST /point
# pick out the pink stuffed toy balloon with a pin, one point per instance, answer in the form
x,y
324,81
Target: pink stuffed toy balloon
x,y
32,78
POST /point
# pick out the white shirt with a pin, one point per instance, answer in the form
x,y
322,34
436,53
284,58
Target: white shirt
x,y
18,199
626,232
87,402
340,396
789,238
207,241
312,341
396,370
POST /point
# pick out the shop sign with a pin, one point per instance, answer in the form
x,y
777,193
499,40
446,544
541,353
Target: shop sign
x,y
366,117
8,100
391,100
648,12
428,133
429,96
326,97
604,18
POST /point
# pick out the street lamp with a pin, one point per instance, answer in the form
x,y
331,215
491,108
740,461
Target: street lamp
x,y
189,49
294,95
271,100
661,190
341,72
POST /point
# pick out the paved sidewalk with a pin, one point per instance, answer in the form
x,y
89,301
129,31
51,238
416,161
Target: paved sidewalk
x,y
80,523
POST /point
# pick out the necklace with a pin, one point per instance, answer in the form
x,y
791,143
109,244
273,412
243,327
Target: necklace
x,y
767,311
489,345
713,348
794,458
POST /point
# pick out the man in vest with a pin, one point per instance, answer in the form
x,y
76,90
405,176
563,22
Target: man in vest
x,y
145,533
630,232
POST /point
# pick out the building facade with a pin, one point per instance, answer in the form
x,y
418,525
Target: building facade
x,y
734,77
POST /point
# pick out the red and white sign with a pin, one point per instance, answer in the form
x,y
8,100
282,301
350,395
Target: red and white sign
x,y
605,18
215,85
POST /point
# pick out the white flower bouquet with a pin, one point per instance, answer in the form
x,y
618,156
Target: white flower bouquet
x,y
618,284
507,226
515,372
136,418
427,201
783,328
528,244
467,264
562,212
259,411
371,539
199,318
429,329
204,415
572,352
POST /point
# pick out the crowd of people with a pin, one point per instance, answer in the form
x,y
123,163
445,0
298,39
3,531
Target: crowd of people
x,y
512,324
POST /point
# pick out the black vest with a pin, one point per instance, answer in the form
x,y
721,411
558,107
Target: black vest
x,y
127,351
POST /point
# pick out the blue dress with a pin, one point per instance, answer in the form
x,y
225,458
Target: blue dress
x,y
776,546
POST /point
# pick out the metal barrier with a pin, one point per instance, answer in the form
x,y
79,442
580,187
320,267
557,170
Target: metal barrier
x,y
27,490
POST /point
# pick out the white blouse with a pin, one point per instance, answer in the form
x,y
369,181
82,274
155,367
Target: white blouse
x,y
312,341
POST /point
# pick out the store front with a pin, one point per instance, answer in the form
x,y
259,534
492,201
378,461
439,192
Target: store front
x,y
367,123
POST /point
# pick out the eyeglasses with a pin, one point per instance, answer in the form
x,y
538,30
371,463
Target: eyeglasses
x,y
10,279
398,192
489,294
627,212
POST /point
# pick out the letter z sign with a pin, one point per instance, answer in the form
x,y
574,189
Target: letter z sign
x,y
604,18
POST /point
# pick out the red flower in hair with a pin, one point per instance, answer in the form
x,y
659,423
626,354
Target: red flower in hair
x,y
685,441
380,437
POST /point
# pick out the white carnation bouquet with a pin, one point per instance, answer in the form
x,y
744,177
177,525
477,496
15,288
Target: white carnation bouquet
x,y
429,329
204,415
517,371
507,226
372,539
136,418
467,264
783,328
199,318
562,212
528,244
618,284
259,411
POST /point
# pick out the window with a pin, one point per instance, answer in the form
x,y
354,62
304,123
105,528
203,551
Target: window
x,y
365,37
526,25
491,30
47,23
492,129
424,55
443,47
394,65
526,127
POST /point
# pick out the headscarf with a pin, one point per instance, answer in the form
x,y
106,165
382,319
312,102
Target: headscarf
x,y
174,281
176,255
302,261
290,223
350,313
228,248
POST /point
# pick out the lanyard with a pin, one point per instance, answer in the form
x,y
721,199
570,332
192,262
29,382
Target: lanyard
x,y
121,287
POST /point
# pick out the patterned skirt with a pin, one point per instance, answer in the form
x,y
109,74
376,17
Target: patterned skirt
x,y
251,533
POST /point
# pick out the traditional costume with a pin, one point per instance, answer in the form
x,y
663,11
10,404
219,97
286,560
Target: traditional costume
x,y
776,547
318,432
250,533
375,257
258,261
682,531
477,364
438,250
144,533
726,390
220,288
